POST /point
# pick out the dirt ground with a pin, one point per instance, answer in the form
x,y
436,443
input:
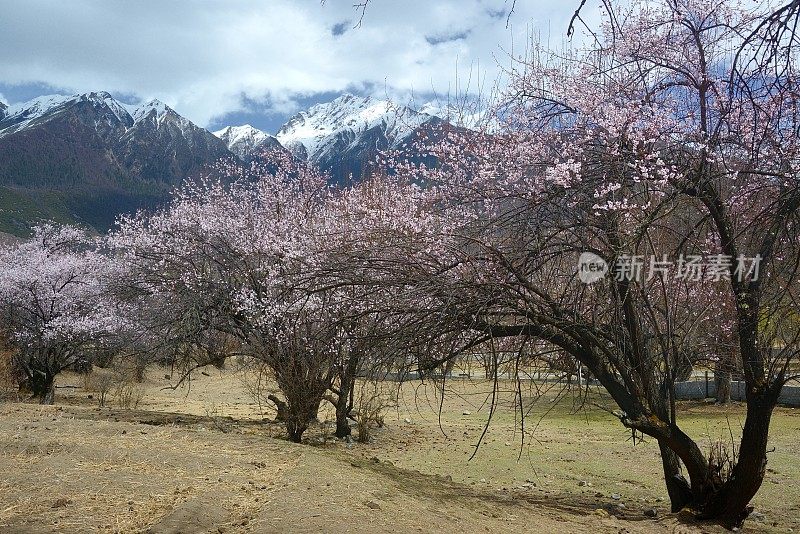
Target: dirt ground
x,y
202,459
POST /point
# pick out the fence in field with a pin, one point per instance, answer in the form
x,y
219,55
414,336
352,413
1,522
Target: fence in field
x,y
703,387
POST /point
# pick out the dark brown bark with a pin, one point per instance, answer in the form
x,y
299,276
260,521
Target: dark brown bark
x,y
342,422
678,489
343,408
299,417
730,505
41,386
302,404
295,430
712,498
344,402
723,501
722,380
281,408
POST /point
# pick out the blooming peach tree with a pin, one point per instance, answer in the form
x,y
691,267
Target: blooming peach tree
x,y
56,305
667,150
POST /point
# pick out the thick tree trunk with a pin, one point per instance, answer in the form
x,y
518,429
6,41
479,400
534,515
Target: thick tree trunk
x,y
678,489
298,420
301,409
49,396
343,410
344,404
280,407
42,387
724,501
730,505
722,380
342,423
295,431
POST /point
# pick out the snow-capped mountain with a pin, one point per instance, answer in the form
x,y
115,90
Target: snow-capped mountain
x,y
161,144
101,156
109,113
323,127
465,114
341,136
92,157
245,141
40,110
154,110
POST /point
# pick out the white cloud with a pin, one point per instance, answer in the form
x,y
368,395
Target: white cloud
x,y
203,57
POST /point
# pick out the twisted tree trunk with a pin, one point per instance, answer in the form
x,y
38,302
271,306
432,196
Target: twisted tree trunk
x,y
730,504
41,386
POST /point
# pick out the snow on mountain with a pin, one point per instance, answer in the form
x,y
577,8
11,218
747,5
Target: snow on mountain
x,y
3,109
154,109
39,106
119,109
20,116
340,124
343,137
23,115
245,140
465,114
103,157
155,114
349,124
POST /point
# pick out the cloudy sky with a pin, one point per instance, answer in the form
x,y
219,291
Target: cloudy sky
x,y
222,62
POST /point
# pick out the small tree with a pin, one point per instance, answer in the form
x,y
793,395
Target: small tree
x,y
234,260
54,304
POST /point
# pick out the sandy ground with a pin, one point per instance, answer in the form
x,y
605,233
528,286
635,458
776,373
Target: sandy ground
x,y
203,460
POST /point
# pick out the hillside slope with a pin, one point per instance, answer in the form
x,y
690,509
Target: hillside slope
x,y
87,158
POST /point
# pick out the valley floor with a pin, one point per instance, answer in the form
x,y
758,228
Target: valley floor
x,y
201,459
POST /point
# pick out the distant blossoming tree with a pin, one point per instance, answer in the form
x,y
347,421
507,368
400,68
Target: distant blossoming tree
x,y
247,259
54,304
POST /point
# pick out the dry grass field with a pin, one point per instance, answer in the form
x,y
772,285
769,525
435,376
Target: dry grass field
x,y
202,458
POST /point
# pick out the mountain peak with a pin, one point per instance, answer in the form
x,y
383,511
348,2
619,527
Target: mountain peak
x,y
346,98
18,116
244,129
97,95
98,157
22,115
245,140
40,104
333,126
46,103
153,108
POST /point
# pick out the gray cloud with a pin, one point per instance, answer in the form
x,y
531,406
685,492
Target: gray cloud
x,y
209,58
439,39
